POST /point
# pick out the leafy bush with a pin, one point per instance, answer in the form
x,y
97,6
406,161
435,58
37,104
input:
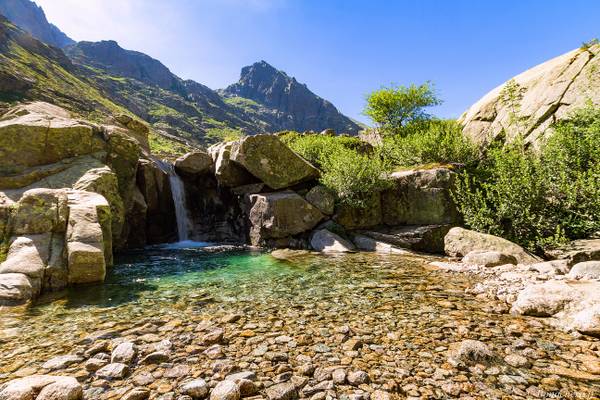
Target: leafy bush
x,y
538,198
351,171
438,141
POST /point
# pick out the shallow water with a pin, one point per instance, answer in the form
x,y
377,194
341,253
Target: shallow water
x,y
406,313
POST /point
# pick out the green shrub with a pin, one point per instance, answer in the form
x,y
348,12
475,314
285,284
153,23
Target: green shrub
x,y
438,141
350,171
538,198
354,177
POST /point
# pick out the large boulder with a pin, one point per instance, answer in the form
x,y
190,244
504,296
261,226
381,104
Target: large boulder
x,y
194,163
420,197
40,133
368,216
546,299
270,160
329,242
322,198
279,215
542,95
88,223
585,270
155,187
459,242
40,211
228,173
425,238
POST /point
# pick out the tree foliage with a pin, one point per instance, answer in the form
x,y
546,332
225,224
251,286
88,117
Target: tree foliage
x,y
397,108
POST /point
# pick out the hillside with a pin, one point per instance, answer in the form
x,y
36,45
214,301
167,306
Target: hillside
x,y
101,77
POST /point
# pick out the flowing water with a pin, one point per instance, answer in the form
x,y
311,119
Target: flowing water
x,y
178,194
404,313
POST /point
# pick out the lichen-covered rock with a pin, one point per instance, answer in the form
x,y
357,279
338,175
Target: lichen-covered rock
x,y
279,215
270,160
458,242
360,217
87,237
488,258
42,387
194,163
328,242
322,198
547,93
105,182
420,197
585,270
40,211
39,133
228,173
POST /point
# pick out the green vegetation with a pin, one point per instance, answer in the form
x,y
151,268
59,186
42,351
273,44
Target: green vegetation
x,y
538,198
215,135
398,109
436,141
165,147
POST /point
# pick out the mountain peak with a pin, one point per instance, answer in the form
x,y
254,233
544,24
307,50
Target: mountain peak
x,y
293,106
30,17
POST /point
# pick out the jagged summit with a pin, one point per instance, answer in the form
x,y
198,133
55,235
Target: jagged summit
x,y
30,17
293,106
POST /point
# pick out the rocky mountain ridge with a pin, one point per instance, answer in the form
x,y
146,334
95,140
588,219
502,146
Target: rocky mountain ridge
x,y
178,107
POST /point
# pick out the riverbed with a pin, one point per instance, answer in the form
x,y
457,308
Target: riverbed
x,y
317,321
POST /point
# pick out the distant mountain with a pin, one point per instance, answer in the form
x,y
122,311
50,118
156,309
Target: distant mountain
x,y
98,79
31,18
286,103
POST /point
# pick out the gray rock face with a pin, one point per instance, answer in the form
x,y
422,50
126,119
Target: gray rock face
x,y
548,93
227,172
194,163
426,238
459,242
585,270
488,258
289,105
328,242
279,215
270,160
420,197
360,218
322,198
42,387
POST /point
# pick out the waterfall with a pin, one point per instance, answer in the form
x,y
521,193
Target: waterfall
x,y
178,194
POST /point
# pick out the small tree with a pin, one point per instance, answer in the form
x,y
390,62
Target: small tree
x,y
395,108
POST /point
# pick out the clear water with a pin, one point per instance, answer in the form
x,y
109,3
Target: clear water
x,y
409,311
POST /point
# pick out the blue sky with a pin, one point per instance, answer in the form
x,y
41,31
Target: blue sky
x,y
342,49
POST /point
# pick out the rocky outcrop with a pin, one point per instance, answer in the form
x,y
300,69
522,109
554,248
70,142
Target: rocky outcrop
x,y
276,217
194,163
271,161
577,251
287,104
532,101
420,197
228,172
459,242
57,237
